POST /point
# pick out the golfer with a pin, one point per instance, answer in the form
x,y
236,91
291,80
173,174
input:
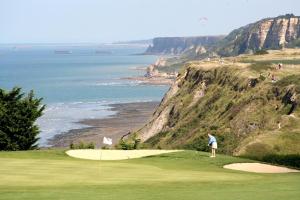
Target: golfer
x,y
213,143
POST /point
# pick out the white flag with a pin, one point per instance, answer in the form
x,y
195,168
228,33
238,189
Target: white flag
x,y
107,141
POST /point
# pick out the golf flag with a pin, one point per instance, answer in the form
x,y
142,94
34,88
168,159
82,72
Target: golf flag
x,y
107,141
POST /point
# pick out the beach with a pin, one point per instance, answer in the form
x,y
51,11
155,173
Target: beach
x,y
128,117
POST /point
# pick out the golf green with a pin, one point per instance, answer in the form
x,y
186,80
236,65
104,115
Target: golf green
x,y
51,174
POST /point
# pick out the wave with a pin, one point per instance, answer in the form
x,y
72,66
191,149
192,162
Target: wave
x,y
123,83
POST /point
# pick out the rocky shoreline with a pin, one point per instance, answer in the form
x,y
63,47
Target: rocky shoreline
x,y
128,117
154,75
151,80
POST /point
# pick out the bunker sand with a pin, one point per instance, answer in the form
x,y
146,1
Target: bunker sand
x,y
259,168
99,154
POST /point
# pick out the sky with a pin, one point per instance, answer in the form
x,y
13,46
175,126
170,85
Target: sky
x,y
103,21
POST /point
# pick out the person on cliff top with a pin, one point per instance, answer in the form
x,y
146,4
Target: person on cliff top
x,y
213,143
273,78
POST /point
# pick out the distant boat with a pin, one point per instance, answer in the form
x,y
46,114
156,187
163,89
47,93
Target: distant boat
x,y
101,52
62,52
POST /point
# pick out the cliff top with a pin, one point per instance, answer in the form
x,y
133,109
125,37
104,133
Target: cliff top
x,y
254,65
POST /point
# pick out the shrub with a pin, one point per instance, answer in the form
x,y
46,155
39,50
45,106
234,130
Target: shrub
x,y
82,145
136,143
199,144
261,52
72,146
214,127
125,145
292,160
227,142
258,150
229,105
261,77
129,144
90,145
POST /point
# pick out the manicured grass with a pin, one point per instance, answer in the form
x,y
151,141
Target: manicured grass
x,y
184,175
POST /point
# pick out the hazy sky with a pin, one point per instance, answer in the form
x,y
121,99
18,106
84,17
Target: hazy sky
x,y
52,21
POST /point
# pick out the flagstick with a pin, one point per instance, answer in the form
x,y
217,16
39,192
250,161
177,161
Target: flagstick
x,y
101,149
101,154
100,167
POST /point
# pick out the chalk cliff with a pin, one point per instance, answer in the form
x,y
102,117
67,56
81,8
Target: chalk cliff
x,y
178,45
269,33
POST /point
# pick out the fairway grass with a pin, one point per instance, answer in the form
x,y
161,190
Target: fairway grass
x,y
51,174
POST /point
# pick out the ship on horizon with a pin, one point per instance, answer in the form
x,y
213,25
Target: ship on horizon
x,y
63,52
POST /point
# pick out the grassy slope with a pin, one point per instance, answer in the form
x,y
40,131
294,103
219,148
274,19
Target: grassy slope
x,y
185,175
244,118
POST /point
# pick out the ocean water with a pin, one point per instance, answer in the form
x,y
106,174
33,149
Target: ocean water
x,y
76,81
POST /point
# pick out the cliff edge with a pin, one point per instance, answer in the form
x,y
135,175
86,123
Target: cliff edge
x,y
249,102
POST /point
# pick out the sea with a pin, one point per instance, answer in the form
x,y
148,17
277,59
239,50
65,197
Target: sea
x,y
76,81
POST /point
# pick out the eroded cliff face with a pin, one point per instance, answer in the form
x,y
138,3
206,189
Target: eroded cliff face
x,y
182,98
178,45
161,115
244,108
271,33
276,33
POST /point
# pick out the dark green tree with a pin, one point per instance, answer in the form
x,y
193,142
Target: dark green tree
x,y
18,113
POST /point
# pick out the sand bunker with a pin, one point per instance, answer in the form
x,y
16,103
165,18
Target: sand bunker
x,y
97,154
259,168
